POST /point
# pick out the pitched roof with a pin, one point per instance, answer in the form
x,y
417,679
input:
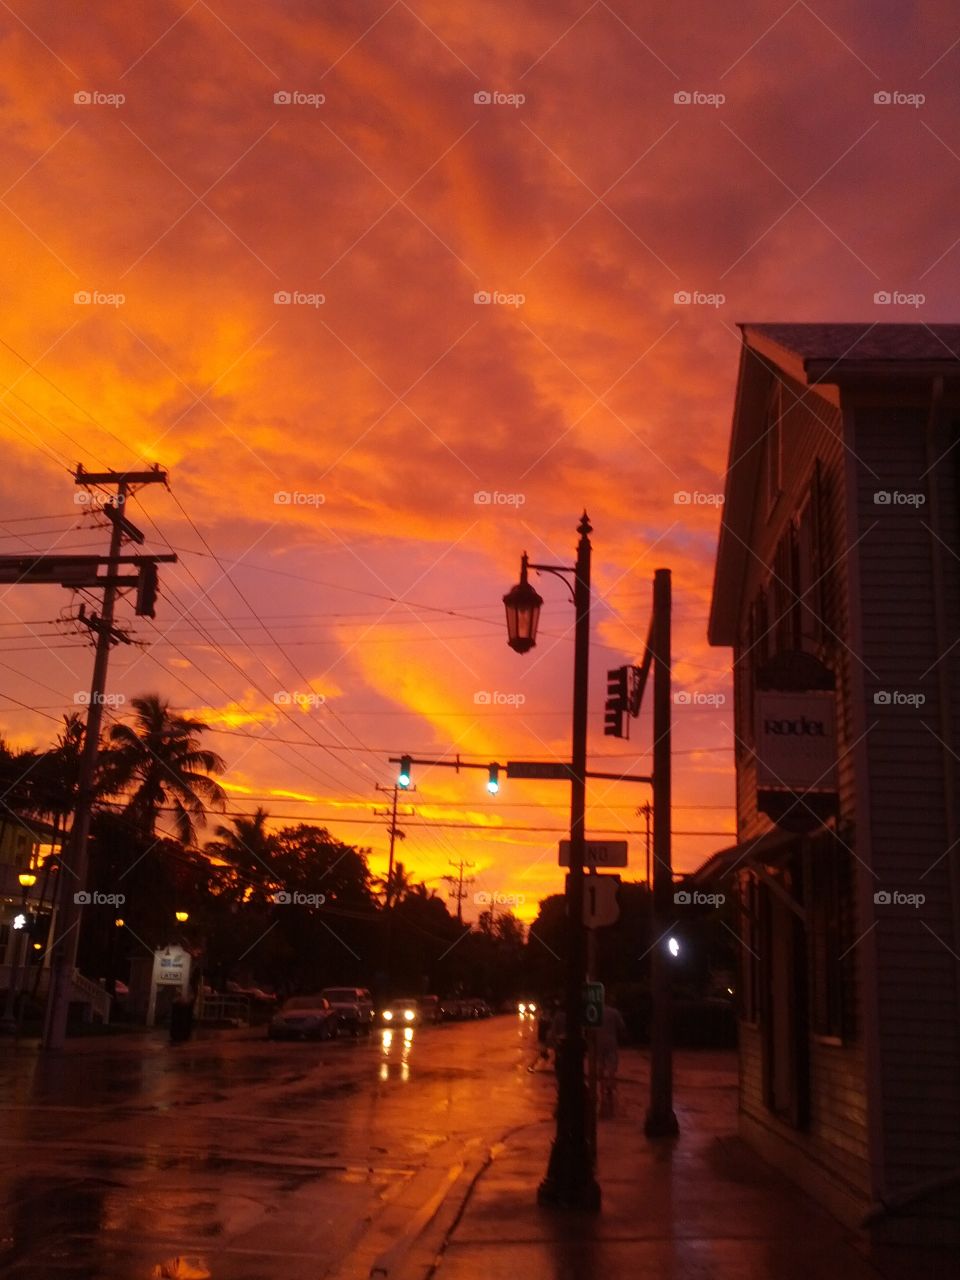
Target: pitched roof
x,y
825,359
862,343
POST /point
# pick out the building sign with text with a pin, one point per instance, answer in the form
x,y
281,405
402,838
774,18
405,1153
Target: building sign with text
x,y
796,740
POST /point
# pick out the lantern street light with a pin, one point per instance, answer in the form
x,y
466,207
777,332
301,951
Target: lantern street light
x,y
182,916
570,1181
523,605
20,926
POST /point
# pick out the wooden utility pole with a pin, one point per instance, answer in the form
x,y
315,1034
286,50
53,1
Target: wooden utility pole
x,y
395,835
459,892
72,878
661,1121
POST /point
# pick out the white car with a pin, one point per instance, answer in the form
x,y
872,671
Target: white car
x,y
353,1007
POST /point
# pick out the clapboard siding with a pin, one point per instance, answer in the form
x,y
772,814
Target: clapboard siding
x,y
884,1106
919,1036
835,1139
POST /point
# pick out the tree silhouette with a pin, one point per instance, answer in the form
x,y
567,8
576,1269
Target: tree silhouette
x,y
158,760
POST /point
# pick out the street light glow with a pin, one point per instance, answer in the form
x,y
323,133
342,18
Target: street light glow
x,y
673,946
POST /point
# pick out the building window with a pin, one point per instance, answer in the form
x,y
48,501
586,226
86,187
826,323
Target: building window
x,y
773,447
813,568
829,914
749,949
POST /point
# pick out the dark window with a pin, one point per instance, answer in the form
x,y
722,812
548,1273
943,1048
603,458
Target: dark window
x,y
749,949
773,447
829,916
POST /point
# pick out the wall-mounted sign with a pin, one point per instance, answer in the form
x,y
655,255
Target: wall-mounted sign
x,y
796,740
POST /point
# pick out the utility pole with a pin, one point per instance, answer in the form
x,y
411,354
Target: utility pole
x,y
459,892
395,835
661,1122
72,879
646,812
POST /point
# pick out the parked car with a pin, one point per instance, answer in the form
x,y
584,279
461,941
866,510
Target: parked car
x,y
430,1009
403,1012
304,1018
256,994
449,1008
353,1007
474,1007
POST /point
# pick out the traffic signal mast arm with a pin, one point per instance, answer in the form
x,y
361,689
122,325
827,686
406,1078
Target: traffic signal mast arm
x,y
554,770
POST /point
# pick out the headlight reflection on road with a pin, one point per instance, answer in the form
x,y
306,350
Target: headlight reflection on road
x,y
390,1042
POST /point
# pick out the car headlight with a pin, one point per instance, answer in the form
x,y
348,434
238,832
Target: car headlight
x,y
532,1008
521,1007
387,1015
408,1014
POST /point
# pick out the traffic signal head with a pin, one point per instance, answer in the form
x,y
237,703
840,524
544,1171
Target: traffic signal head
x,y
403,777
147,586
617,704
493,781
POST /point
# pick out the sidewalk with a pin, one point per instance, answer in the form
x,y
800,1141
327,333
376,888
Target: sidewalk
x,y
703,1207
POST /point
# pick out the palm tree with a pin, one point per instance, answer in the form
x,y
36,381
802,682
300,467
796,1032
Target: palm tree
x,y
246,844
396,887
158,761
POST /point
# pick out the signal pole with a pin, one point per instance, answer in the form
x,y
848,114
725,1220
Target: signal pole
x,y
72,879
459,892
661,1121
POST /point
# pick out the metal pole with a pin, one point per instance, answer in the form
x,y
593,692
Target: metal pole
x,y
72,878
570,1181
661,1122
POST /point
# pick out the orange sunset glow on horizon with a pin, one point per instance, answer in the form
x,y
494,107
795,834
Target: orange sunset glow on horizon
x,y
394,292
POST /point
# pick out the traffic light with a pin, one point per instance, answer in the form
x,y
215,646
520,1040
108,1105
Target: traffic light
x,y
493,781
403,777
617,705
147,586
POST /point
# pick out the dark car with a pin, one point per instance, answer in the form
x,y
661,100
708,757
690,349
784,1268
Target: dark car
x,y
304,1018
430,1009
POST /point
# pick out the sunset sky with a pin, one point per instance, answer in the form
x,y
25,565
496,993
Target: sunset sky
x,y
183,164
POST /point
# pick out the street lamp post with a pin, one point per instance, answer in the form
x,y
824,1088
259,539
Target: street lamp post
x,y
570,1181
9,1024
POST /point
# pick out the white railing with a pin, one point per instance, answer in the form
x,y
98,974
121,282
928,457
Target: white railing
x,y
91,993
223,1008
84,991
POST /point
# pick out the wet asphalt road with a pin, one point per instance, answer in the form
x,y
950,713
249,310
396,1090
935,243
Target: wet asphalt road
x,y
269,1161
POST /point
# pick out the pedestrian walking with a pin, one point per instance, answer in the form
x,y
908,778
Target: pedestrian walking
x,y
609,1035
546,1014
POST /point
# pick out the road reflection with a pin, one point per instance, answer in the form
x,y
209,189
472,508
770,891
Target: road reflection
x,y
395,1050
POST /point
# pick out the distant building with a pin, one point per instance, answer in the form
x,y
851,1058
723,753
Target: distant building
x,y
21,842
838,589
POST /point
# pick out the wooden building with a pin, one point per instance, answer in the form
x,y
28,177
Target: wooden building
x,y
839,554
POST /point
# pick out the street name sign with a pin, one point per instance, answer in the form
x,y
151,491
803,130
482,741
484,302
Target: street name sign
x,y
537,769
